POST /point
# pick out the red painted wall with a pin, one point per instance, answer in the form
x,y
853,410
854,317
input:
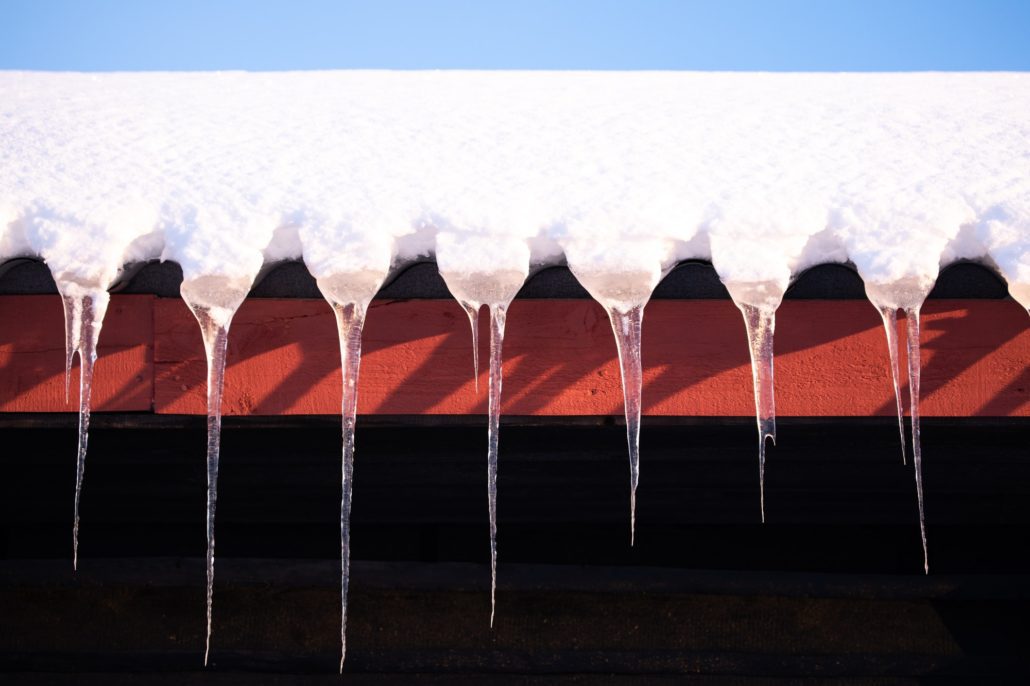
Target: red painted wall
x,y
32,356
831,359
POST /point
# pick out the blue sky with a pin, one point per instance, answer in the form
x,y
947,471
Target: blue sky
x,y
822,35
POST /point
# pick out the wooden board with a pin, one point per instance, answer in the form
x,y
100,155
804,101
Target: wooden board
x,y
32,356
559,359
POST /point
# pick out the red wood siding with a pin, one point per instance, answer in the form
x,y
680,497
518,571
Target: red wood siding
x,y
32,356
831,359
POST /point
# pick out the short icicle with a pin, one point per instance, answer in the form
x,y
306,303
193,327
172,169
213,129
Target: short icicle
x,y
626,325
72,332
213,301
472,310
498,315
761,325
890,325
912,319
84,316
350,319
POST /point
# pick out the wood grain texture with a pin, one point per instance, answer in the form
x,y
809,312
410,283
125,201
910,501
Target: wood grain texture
x,y
559,359
831,360
32,356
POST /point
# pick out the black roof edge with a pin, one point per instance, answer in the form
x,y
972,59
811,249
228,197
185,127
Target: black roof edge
x,y
690,280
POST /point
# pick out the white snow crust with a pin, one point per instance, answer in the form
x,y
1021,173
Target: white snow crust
x,y
620,174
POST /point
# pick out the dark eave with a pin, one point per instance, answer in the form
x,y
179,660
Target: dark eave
x,y
688,281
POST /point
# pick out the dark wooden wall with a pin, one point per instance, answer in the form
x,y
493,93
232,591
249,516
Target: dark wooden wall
x,y
830,588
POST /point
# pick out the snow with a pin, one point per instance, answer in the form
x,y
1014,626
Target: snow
x,y
1004,231
897,173
620,275
483,270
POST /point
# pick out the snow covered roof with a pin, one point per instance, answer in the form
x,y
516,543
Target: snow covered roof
x,y
764,174
619,174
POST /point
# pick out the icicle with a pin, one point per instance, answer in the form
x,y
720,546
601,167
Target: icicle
x,y
498,315
84,311
912,318
213,301
907,294
350,318
890,325
486,269
216,338
758,301
623,293
72,335
761,325
626,325
496,289
472,310
349,295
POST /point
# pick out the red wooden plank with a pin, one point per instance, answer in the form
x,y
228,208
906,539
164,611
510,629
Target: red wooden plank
x,y
560,360
32,356
283,358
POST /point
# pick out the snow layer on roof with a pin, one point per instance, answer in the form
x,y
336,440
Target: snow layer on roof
x,y
770,173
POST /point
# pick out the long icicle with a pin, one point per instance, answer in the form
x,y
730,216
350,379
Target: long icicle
x,y
914,366
87,314
472,310
761,326
890,325
350,319
498,315
626,325
216,338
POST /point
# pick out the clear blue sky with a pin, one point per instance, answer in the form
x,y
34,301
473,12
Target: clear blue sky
x,y
828,35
